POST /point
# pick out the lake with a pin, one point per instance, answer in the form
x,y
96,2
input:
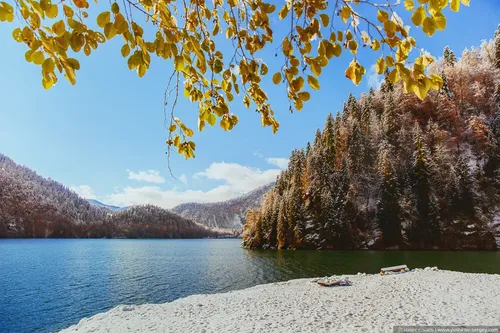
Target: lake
x,y
49,284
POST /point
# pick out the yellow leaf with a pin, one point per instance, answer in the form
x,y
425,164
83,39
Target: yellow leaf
x,y
59,28
201,125
337,49
73,63
38,57
47,83
466,2
355,72
325,19
172,128
48,66
380,66
179,63
277,78
353,46
315,69
375,45
409,5
81,3
141,70
382,16
418,16
394,76
125,50
52,11
224,124
440,21
389,60
304,96
313,82
109,30
455,5
68,11
28,55
436,82
189,132
211,119
333,37
177,140
103,19
390,28
246,101
115,8
283,12
429,26
287,47
298,83
17,35
422,87
345,13
264,69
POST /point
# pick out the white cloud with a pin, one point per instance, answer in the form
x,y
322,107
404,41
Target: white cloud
x,y
280,162
183,179
236,180
84,191
374,80
150,176
239,177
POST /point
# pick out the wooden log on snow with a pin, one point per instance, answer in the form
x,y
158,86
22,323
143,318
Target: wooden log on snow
x,y
400,268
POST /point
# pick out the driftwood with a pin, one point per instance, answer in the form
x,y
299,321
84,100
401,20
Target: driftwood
x,y
328,283
394,269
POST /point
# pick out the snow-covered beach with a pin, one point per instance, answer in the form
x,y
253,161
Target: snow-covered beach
x,y
373,303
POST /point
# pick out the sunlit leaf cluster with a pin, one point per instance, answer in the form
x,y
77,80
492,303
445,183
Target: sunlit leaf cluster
x,y
192,34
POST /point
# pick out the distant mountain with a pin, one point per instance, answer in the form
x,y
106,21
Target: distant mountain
x,y
97,203
228,214
35,207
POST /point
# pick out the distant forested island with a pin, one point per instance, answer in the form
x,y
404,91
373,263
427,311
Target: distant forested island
x,y
35,207
392,172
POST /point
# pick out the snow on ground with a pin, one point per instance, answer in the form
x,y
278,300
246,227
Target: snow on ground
x,y
373,303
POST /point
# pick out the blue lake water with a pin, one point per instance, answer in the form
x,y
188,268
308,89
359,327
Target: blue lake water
x,y
49,284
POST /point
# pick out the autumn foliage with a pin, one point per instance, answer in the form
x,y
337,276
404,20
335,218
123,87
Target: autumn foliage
x,y
392,171
193,34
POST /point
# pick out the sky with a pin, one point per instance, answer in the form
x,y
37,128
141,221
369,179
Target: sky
x,y
105,137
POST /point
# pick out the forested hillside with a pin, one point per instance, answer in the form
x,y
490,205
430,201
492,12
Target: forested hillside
x,y
228,214
390,171
32,206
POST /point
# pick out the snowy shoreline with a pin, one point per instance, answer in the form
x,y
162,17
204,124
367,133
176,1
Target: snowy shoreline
x,y
373,303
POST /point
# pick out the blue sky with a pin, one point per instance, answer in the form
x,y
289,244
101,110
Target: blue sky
x,y
105,137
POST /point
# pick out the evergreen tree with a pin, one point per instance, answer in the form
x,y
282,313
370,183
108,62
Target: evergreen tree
x,y
356,148
390,121
386,87
492,166
463,197
423,191
366,111
308,148
388,209
329,142
317,140
445,90
497,48
425,230
282,225
449,57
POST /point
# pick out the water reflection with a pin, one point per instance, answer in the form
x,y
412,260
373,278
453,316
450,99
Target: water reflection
x,y
46,285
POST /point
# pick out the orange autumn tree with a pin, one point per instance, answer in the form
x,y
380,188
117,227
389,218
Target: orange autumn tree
x,y
187,32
